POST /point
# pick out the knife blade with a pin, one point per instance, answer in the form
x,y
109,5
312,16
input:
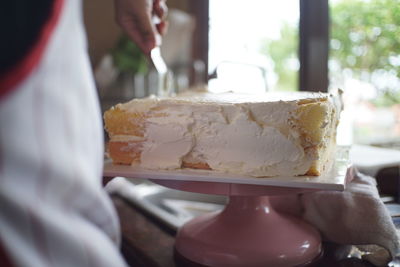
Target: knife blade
x,y
164,75
158,61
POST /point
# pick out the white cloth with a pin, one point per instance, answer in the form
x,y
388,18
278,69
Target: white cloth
x,y
355,216
53,210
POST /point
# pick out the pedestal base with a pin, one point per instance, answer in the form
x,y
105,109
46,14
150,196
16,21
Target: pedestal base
x,y
248,232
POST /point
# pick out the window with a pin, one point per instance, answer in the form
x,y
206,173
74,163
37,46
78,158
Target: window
x,y
365,62
253,45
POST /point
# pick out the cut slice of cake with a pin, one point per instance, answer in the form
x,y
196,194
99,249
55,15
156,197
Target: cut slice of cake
x,y
273,134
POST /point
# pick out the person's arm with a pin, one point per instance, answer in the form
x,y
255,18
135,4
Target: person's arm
x,y
142,20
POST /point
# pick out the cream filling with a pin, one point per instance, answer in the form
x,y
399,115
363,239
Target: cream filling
x,y
228,139
166,145
244,146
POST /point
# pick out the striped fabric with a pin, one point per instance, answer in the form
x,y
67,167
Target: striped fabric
x,y
53,210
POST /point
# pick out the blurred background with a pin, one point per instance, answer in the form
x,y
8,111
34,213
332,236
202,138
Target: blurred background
x,y
256,45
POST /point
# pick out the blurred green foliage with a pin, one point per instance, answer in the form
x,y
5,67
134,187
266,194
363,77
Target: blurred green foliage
x,y
365,39
282,52
366,35
128,58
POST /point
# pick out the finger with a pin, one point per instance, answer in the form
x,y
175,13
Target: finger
x,y
146,27
160,9
162,27
141,29
143,36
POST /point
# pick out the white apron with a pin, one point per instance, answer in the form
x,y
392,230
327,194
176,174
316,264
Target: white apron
x,y
53,209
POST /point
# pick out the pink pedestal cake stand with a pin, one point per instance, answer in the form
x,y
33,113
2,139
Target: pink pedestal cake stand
x,y
248,232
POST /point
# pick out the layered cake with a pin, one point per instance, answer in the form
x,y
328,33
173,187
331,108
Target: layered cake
x,y
272,134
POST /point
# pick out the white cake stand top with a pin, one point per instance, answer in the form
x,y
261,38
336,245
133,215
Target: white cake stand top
x,y
212,182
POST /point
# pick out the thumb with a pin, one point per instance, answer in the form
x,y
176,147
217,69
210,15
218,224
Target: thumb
x,y
135,19
147,31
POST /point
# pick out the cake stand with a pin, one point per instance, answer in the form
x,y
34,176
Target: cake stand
x,y
248,231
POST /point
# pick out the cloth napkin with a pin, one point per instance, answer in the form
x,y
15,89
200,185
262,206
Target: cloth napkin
x,y
356,216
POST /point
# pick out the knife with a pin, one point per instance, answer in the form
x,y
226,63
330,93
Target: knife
x,y
164,75
158,61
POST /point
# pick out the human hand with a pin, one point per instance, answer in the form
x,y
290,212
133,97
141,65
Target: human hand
x,y
143,21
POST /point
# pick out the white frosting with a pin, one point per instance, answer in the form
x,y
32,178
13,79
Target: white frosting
x,y
240,134
168,140
126,138
244,146
138,105
198,99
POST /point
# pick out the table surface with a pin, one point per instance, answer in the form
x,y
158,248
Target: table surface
x,y
148,242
